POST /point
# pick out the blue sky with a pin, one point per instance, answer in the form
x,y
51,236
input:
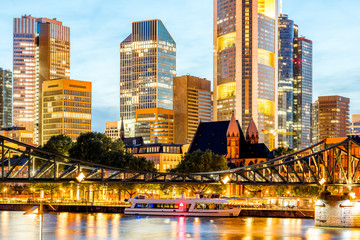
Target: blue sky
x,y
97,28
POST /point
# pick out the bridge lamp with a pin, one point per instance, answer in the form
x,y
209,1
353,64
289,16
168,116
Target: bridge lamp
x,y
352,195
80,177
226,180
322,181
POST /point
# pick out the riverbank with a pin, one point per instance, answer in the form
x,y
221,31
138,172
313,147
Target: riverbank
x,y
245,212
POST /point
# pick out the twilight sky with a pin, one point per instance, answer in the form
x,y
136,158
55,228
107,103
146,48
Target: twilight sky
x,y
98,26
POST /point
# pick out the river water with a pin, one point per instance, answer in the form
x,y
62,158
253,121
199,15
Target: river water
x,y
63,226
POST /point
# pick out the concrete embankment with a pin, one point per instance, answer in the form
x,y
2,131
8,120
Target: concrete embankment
x,y
245,212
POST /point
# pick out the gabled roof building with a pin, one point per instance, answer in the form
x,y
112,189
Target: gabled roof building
x,y
227,138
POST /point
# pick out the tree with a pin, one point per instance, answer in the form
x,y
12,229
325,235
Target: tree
x,y
91,147
199,161
281,151
59,144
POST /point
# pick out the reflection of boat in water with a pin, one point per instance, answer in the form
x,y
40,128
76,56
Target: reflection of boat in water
x,y
196,207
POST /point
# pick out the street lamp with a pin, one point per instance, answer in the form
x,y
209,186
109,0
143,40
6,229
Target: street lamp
x,y
226,180
80,177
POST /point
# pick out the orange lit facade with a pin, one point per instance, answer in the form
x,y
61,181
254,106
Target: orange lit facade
x,y
332,114
112,129
66,108
355,125
245,62
41,52
164,156
155,124
18,134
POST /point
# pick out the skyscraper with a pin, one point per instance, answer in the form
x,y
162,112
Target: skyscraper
x,y
245,62
147,66
41,52
333,117
192,104
66,108
302,91
6,87
285,87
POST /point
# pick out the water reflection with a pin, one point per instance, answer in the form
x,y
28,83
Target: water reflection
x,y
14,225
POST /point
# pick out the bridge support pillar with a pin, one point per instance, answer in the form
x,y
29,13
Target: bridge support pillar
x,y
41,193
78,192
336,211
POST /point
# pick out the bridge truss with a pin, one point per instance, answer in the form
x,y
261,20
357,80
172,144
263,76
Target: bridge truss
x,y
336,164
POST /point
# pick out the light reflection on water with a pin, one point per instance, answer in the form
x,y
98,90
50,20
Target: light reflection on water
x,y
63,226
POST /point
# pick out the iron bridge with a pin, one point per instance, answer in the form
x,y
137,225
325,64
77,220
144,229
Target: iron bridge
x,y
333,165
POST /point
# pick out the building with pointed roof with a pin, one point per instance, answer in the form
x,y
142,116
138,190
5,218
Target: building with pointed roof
x,y
227,138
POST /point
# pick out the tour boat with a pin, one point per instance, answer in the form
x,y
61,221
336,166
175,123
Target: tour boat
x,y
194,207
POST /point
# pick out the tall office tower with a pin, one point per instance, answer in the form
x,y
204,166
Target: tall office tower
x,y
192,104
67,108
285,86
315,122
155,125
355,125
6,91
41,51
245,62
333,117
302,91
147,66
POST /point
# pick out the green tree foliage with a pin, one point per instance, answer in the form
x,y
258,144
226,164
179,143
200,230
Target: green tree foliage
x,y
281,151
199,161
98,148
59,144
306,191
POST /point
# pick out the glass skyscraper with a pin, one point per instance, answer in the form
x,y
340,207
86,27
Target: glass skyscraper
x,y
6,88
245,63
41,52
285,87
147,66
302,91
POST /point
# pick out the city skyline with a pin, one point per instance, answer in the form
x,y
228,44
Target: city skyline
x,y
95,55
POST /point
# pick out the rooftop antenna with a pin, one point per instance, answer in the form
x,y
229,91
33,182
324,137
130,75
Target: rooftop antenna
x,y
280,7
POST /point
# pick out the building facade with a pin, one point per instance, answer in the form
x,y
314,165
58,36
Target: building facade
x,y
315,122
147,68
245,62
155,125
333,117
355,125
112,129
192,104
41,51
18,133
67,108
165,156
302,91
285,87
6,88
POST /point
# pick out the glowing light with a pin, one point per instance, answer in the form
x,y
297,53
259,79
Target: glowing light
x,y
226,180
322,181
266,107
181,204
352,195
226,90
80,177
266,57
226,41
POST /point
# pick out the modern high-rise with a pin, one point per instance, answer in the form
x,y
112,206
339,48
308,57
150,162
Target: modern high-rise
x,y
192,104
147,68
315,122
285,86
333,117
66,108
302,91
41,52
6,91
355,125
245,63
155,125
